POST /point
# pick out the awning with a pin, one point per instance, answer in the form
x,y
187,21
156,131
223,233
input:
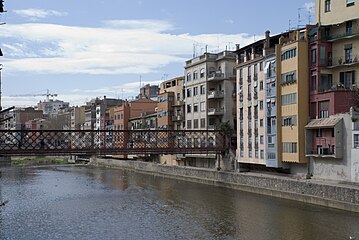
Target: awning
x,y
323,123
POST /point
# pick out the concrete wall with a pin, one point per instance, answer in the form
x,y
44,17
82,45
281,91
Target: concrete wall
x,y
336,196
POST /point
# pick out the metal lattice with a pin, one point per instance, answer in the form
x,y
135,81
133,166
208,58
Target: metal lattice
x,y
53,142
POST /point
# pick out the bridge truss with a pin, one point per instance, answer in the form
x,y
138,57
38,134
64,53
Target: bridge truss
x,y
110,142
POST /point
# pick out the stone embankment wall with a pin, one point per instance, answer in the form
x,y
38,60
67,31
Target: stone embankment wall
x,y
340,196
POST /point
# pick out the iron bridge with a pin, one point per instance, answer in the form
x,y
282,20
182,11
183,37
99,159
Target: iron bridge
x,y
110,142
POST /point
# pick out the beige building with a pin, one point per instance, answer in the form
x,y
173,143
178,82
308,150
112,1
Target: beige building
x,y
170,112
293,91
330,12
77,117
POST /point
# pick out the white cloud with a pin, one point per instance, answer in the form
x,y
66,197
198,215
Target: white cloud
x,y
230,21
35,14
121,47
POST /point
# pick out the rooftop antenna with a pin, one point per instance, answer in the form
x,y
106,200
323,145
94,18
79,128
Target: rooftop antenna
x,y
254,38
310,14
140,81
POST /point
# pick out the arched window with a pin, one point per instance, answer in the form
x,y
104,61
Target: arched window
x,y
189,77
202,73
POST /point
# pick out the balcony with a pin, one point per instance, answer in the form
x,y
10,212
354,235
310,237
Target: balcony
x,y
343,35
324,138
217,76
177,118
178,103
342,61
215,94
215,111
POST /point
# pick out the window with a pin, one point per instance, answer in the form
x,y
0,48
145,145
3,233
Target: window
x,y
261,85
261,105
203,89
189,108
356,140
195,75
324,109
195,107
314,81
289,78
189,92
313,53
261,139
203,122
256,153
350,3
203,106
348,49
262,154
189,124
250,153
261,122
289,147
202,73
289,99
261,66
327,6
319,132
241,76
289,121
292,53
189,77
195,91
195,124
347,79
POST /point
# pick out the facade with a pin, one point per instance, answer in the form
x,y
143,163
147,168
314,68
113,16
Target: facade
x,y
149,91
170,112
292,115
331,134
77,117
256,111
50,106
18,117
209,98
171,104
102,119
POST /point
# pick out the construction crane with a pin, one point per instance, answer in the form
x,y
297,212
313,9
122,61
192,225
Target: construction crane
x,y
47,95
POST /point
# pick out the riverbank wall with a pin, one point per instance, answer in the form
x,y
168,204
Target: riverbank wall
x,y
334,195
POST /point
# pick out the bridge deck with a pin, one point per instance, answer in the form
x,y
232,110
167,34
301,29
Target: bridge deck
x,y
109,142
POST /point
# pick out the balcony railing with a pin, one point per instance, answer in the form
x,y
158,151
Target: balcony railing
x,y
216,76
215,111
349,34
215,94
340,61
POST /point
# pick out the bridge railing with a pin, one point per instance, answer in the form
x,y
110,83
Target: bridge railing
x,y
104,142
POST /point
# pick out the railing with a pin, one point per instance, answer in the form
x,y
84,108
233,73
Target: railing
x,y
215,76
348,34
339,61
215,94
63,142
215,111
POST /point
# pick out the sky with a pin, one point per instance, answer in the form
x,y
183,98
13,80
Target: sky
x,y
85,49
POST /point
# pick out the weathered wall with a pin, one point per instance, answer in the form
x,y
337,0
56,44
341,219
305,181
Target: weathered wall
x,y
336,196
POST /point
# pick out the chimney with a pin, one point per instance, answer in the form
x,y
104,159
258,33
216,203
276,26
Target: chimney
x,y
267,37
238,46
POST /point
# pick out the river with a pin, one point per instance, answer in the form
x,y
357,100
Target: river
x,y
69,202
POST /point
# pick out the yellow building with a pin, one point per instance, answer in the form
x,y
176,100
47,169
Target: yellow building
x,y
292,97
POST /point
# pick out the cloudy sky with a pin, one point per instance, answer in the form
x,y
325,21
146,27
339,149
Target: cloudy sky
x,y
85,49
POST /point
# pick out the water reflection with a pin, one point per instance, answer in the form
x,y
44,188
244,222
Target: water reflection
x,y
92,203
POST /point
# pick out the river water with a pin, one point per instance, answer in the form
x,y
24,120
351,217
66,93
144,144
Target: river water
x,y
91,203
